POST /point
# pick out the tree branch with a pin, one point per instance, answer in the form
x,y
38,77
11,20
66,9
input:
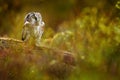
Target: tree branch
x,y
10,39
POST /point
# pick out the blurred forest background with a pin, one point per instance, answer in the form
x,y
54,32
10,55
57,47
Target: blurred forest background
x,y
88,28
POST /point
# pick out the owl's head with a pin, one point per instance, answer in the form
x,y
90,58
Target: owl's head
x,y
33,18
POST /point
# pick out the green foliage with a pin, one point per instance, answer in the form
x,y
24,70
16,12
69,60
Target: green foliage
x,y
88,29
118,5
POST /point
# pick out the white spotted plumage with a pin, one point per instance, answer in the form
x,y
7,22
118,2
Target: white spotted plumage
x,y
33,27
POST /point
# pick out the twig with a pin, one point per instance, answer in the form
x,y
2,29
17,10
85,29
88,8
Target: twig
x,y
46,47
55,49
11,39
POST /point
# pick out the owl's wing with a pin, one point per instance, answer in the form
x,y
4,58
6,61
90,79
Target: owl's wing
x,y
25,34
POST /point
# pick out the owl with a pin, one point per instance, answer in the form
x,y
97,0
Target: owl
x,y
33,27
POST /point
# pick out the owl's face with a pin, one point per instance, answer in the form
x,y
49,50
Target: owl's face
x,y
33,18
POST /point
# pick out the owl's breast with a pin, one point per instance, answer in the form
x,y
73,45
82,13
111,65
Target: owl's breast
x,y
37,31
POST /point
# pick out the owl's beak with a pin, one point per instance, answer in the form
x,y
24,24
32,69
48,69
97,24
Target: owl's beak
x,y
26,23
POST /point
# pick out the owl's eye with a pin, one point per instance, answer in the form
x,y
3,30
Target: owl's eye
x,y
27,16
27,19
35,18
